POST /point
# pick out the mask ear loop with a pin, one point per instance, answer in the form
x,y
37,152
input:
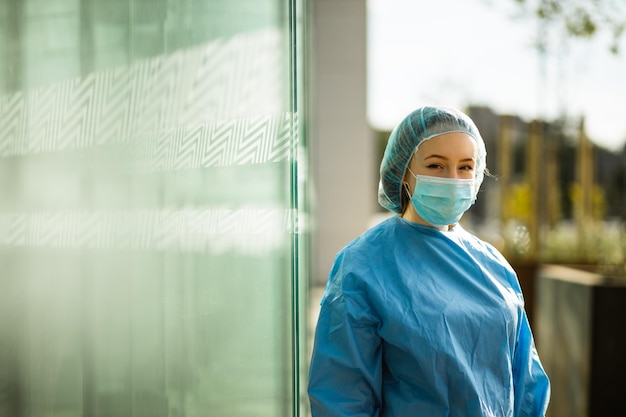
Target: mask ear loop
x,y
405,200
405,185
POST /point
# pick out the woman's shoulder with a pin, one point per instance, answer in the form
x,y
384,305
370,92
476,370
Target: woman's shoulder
x,y
382,235
359,259
488,250
368,234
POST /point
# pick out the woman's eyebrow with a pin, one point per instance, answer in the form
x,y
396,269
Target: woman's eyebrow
x,y
436,156
446,158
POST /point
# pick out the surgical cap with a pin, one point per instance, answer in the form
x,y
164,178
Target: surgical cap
x,y
420,125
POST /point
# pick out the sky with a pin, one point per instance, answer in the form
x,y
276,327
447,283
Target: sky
x,y
462,52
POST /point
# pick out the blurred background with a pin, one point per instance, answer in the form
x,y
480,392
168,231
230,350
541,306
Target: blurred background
x,y
176,177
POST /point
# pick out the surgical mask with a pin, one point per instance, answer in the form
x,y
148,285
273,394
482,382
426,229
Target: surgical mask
x,y
442,201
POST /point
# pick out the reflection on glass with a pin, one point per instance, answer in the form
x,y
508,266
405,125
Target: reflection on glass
x,y
146,209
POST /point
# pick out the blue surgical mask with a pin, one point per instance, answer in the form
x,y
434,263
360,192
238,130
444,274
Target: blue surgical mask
x,y
442,201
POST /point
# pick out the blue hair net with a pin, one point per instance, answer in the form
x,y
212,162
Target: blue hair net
x,y
420,125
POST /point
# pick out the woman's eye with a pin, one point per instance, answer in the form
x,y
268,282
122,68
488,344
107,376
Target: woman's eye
x,y
467,168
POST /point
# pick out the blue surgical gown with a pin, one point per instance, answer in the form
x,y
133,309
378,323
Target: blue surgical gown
x,y
419,322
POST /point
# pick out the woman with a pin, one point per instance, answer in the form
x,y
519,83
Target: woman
x,y
419,317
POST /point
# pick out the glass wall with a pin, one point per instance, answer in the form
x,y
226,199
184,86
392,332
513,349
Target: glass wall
x,y
152,192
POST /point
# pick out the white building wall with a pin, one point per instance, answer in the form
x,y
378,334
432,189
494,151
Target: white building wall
x,y
344,164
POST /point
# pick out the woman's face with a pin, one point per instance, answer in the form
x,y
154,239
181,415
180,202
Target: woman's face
x,y
451,155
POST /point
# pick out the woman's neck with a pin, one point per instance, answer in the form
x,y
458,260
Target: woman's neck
x,y
411,215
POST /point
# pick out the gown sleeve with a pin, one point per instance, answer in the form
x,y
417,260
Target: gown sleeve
x,y
345,375
531,384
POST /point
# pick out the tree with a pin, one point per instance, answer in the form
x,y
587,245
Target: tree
x,y
578,18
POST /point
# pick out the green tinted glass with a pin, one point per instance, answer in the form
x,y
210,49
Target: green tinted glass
x,y
151,196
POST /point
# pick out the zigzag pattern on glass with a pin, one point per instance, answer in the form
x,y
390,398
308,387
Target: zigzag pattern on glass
x,y
194,230
218,104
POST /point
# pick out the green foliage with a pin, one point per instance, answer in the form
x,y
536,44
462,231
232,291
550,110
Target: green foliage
x,y
580,23
578,18
597,243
